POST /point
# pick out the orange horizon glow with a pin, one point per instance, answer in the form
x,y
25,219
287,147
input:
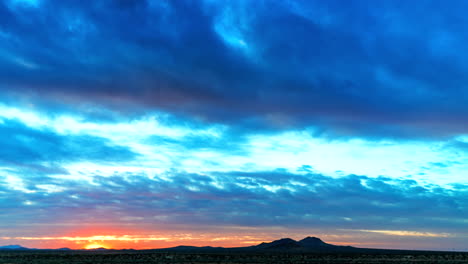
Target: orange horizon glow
x,y
132,241
113,238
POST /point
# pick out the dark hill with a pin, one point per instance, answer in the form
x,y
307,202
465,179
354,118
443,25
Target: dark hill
x,y
97,249
314,242
64,249
195,249
308,244
13,247
284,243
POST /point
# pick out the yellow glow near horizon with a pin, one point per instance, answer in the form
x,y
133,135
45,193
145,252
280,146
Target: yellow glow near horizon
x,y
94,246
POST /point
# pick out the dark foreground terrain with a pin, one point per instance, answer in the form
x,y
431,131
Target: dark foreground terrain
x,y
134,257
286,250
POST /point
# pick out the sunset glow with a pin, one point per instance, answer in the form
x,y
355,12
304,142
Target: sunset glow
x,y
94,246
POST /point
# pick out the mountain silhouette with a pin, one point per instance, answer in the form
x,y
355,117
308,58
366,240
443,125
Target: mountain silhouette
x,y
97,249
19,247
308,244
195,249
13,247
314,242
64,248
284,243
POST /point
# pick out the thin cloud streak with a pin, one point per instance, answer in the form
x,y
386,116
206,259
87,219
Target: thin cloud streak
x,y
407,233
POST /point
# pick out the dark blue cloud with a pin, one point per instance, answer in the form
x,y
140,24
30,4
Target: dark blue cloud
x,y
387,68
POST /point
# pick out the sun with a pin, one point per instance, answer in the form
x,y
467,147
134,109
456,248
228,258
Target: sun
x,y
94,246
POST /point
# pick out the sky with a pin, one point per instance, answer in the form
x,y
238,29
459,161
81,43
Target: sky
x,y
156,123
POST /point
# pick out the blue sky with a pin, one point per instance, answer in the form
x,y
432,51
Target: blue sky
x,y
233,122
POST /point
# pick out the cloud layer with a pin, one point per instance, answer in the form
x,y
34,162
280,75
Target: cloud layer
x,y
264,199
362,68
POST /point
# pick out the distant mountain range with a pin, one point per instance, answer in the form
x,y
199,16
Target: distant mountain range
x,y
287,243
13,247
308,244
284,245
18,247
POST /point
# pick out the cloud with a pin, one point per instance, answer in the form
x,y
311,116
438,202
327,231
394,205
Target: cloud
x,y
34,150
407,233
222,141
266,199
343,68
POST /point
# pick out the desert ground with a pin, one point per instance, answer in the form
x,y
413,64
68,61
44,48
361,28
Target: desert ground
x,y
123,257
